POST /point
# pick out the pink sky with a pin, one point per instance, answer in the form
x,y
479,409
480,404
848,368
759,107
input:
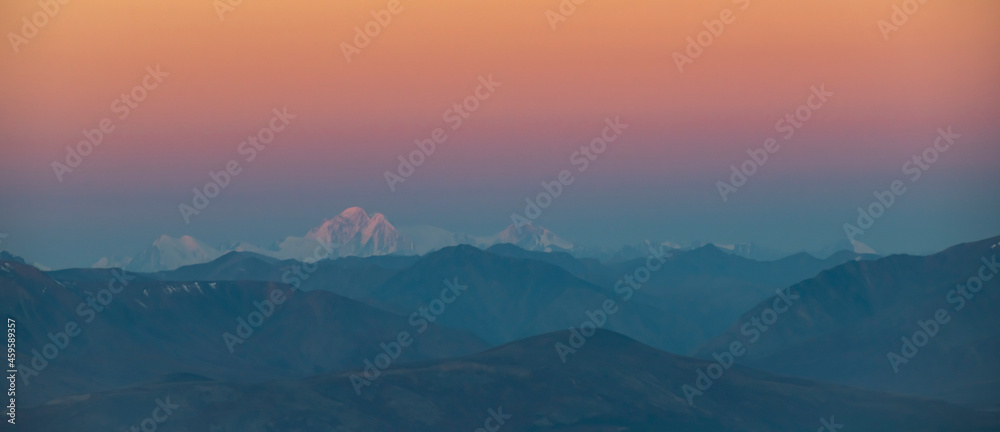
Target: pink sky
x,y
609,58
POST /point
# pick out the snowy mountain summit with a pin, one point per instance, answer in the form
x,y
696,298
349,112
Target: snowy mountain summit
x,y
532,238
354,232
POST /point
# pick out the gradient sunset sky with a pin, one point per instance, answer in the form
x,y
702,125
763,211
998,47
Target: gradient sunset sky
x,y
609,58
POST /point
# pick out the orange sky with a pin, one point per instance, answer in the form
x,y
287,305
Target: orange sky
x,y
608,58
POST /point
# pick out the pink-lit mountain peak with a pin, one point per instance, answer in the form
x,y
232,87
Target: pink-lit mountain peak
x,y
359,233
342,227
353,232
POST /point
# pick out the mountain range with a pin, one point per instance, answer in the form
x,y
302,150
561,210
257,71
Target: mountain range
x,y
936,314
492,342
695,292
355,232
615,384
153,329
351,233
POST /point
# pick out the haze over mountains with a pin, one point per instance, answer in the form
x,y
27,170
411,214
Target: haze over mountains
x,y
699,291
937,314
352,233
615,384
154,329
356,233
484,329
500,216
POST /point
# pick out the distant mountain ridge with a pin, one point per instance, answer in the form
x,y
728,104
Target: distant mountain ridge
x,y
153,328
851,311
695,293
355,232
351,233
846,321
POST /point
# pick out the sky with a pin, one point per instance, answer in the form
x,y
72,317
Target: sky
x,y
558,74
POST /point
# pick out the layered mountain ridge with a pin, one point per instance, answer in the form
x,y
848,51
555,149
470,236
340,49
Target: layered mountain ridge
x,y
355,232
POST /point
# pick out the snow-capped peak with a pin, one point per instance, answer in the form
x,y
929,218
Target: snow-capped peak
x,y
354,213
862,248
534,238
166,253
341,227
353,233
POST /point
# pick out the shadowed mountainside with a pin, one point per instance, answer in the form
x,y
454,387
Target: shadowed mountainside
x,y
612,384
847,320
154,328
